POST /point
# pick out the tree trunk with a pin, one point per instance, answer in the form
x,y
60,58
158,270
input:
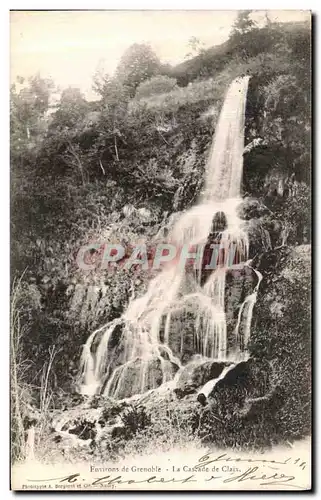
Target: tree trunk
x,y
116,150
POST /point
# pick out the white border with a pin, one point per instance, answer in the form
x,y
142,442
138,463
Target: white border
x,y
4,197
159,5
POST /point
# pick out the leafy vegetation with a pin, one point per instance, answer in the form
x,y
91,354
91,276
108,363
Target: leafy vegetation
x,y
157,85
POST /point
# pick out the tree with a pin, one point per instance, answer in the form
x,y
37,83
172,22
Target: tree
x,y
64,134
29,104
28,121
114,106
138,63
268,22
196,47
71,109
244,37
243,23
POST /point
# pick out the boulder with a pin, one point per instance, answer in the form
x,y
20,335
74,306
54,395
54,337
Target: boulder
x,y
249,378
196,373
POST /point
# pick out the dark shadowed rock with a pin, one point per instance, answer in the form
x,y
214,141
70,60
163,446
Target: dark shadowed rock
x,y
249,378
201,398
84,430
196,374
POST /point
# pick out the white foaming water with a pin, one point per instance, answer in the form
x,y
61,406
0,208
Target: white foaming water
x,y
224,173
209,386
143,349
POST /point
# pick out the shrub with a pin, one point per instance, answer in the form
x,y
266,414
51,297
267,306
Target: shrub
x,y
156,85
135,420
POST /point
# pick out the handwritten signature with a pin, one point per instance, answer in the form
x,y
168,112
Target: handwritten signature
x,y
251,474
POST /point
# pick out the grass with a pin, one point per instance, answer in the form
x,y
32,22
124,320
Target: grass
x,y
17,370
163,434
27,421
214,88
194,92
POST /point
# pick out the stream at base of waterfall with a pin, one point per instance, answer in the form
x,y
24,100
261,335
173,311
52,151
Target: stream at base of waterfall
x,y
135,353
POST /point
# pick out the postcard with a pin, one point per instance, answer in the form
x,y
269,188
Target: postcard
x,y
160,319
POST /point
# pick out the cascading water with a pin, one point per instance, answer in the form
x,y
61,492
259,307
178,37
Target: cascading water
x,y
139,350
225,166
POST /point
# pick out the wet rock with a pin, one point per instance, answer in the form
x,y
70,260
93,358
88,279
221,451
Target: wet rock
x,y
239,283
182,340
248,381
65,401
201,398
196,374
249,378
109,407
139,376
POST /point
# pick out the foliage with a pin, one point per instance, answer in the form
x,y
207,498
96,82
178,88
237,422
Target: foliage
x,y
196,47
289,41
71,108
160,84
18,366
31,389
135,420
138,63
29,104
243,23
282,332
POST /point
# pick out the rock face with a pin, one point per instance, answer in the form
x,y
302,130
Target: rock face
x,y
280,347
266,399
239,284
243,407
130,376
248,379
258,402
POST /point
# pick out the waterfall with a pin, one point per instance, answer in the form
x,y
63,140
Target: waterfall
x,y
224,172
246,310
140,351
206,390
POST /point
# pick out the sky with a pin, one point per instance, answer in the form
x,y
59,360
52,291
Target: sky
x,y
71,46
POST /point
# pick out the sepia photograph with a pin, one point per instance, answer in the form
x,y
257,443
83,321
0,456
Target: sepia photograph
x,y
160,250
